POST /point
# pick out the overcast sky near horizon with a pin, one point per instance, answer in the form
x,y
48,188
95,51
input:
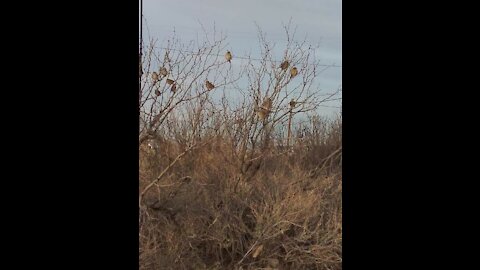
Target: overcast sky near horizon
x,y
319,20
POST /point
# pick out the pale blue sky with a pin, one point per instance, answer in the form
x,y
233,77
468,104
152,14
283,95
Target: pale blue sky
x,y
320,20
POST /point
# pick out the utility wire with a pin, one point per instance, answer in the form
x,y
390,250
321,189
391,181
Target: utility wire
x,y
234,56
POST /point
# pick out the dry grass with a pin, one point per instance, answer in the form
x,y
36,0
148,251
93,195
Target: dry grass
x,y
205,214
223,188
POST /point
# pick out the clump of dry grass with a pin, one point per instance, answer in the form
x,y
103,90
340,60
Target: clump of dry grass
x,y
203,215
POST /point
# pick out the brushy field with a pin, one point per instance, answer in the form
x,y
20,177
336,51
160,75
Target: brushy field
x,y
206,213
237,168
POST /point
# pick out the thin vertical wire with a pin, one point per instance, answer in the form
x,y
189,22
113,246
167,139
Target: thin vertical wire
x,y
140,64
140,56
141,26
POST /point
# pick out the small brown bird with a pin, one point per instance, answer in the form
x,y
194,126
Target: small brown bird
x,y
157,92
163,71
174,88
155,76
170,81
267,104
228,56
293,72
264,110
284,65
209,85
293,103
262,113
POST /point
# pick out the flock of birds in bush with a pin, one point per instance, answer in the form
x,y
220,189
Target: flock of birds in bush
x,y
262,111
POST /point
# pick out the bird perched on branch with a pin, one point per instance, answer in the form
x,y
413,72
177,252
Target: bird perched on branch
x,y
262,113
284,65
173,88
292,103
264,110
157,92
228,56
155,76
209,85
293,72
267,104
170,81
163,71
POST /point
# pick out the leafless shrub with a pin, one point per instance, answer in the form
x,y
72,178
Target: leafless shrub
x,y
220,187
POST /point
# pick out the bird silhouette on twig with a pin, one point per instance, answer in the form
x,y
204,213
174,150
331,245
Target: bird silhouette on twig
x,y
209,85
